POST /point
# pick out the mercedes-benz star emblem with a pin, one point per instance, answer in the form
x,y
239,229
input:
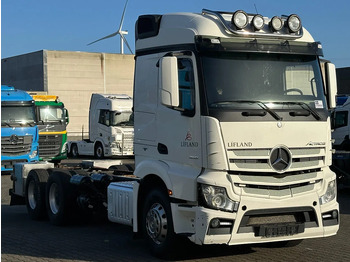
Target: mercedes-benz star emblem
x,y
280,159
13,139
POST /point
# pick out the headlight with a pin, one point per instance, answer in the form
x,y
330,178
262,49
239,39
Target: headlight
x,y
276,23
115,144
64,148
216,197
330,194
258,22
240,19
294,23
33,154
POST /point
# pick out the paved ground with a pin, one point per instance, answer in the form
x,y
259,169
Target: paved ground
x,y
25,240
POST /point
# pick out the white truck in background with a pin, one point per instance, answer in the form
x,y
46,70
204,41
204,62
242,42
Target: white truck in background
x,y
232,138
341,137
111,128
341,124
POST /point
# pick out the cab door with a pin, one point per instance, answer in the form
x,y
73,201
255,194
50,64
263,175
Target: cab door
x,y
179,127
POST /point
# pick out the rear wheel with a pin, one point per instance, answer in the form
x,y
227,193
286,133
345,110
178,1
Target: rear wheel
x,y
60,200
35,193
158,224
99,150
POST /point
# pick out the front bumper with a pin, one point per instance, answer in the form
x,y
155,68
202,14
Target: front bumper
x,y
259,220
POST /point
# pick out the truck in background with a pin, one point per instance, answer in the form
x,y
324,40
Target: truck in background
x,y
52,119
232,137
341,123
111,128
19,132
340,135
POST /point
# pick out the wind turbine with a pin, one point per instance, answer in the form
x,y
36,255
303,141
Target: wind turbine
x,y
120,32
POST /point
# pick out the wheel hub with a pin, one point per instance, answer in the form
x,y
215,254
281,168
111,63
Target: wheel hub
x,y
54,198
156,223
31,195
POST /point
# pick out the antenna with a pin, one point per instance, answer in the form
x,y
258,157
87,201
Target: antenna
x,y
120,32
256,9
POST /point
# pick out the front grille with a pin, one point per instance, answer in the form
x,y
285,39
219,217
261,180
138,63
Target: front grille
x,y
257,160
49,145
16,145
128,140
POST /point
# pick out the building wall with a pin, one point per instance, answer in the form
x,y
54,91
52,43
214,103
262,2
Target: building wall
x,y
73,76
25,72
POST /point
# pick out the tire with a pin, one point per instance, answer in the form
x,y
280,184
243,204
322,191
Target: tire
x,y
99,154
60,198
35,193
157,225
74,151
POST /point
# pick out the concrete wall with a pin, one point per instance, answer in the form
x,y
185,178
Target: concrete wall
x,y
73,76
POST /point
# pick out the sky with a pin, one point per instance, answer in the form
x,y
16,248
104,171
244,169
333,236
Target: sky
x,y
69,25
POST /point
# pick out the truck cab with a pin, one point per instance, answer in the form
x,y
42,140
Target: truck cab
x,y
232,126
52,123
111,128
19,132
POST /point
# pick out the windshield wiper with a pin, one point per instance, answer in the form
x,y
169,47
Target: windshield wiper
x,y
303,105
5,123
28,123
263,106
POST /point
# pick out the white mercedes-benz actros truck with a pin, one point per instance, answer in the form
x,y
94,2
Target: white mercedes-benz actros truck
x,y
232,137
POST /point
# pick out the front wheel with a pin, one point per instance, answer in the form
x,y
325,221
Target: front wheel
x,y
157,224
74,151
99,151
35,193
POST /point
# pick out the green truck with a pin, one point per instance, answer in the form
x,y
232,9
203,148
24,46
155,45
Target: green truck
x,y
52,122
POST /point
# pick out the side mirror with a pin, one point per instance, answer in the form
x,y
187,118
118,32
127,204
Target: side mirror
x,y
66,115
331,84
169,81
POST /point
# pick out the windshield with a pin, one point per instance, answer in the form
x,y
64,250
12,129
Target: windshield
x,y
122,119
17,115
116,118
50,114
274,79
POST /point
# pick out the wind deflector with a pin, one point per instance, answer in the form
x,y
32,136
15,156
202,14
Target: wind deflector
x,y
147,26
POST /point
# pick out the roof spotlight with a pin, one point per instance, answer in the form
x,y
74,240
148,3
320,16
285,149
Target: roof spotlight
x,y
258,22
294,23
240,19
276,23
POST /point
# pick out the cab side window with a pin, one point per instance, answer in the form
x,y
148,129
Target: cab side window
x,y
186,84
104,117
341,119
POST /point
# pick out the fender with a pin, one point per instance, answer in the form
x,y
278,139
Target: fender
x,y
103,146
180,179
154,167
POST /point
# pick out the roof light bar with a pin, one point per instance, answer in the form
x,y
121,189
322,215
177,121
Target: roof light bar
x,y
255,25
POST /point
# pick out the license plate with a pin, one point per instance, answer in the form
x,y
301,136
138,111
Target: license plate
x,y
280,230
